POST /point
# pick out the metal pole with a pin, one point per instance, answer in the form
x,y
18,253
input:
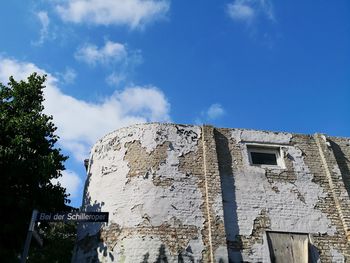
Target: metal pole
x,y
29,236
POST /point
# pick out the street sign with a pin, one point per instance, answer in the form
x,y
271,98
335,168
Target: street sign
x,y
58,217
73,216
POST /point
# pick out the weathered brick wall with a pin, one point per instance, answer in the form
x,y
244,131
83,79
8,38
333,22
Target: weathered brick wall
x,y
332,248
213,195
180,193
296,198
151,179
341,150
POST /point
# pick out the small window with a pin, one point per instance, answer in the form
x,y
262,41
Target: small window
x,y
260,155
263,158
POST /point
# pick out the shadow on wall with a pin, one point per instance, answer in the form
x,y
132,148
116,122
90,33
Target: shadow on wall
x,y
89,240
234,243
90,243
162,258
343,163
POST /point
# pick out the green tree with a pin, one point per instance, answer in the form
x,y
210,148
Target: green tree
x,y
59,239
29,161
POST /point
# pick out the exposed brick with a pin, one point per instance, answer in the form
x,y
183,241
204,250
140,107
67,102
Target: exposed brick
x,y
180,193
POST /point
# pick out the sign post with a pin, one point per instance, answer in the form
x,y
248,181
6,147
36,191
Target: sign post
x,y
38,238
29,236
92,217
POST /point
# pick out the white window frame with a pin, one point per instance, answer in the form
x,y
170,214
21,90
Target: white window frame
x,y
270,149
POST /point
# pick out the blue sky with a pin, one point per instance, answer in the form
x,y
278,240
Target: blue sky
x,y
260,64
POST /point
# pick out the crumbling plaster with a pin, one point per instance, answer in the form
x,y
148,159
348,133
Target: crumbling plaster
x,y
289,205
337,256
254,192
138,201
190,194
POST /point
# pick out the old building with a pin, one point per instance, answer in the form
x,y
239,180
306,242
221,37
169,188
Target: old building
x,y
179,193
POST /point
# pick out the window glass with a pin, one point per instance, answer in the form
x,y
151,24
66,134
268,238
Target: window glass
x,y
263,158
265,155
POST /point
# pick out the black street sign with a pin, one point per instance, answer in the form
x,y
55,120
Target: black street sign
x,y
73,216
58,217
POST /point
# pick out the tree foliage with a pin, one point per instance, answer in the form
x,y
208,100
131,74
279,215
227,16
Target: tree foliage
x,y
29,161
59,239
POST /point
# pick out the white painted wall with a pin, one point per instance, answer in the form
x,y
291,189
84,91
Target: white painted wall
x,y
253,193
136,201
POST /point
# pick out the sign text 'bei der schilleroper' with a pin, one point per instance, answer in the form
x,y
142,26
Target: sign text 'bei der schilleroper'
x,y
73,216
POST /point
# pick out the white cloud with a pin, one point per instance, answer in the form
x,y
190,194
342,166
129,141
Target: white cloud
x,y
109,53
239,11
68,76
148,100
133,13
114,79
71,181
44,30
247,10
215,111
81,123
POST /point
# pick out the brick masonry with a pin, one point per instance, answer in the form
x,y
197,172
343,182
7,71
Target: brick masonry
x,y
179,193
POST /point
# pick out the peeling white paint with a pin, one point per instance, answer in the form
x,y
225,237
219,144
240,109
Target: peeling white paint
x,y
285,210
218,207
249,193
240,135
137,249
257,253
218,255
135,201
324,138
337,256
195,248
160,201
